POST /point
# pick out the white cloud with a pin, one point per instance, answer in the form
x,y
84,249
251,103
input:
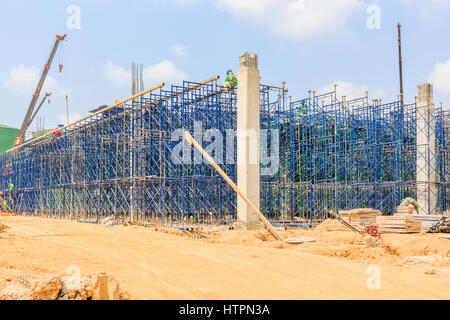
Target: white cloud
x,y
164,71
62,118
351,90
429,9
186,3
117,74
255,10
24,80
179,50
289,18
440,77
295,18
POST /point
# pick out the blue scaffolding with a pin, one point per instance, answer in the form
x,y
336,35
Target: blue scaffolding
x,y
332,154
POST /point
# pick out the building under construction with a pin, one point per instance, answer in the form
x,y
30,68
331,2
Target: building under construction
x,y
327,152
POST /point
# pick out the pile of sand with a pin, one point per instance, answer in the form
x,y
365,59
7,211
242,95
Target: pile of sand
x,y
358,253
240,238
330,225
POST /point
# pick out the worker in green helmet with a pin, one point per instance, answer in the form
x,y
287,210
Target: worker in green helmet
x,y
302,107
11,186
230,80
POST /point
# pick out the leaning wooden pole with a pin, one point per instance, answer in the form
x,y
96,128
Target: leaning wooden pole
x,y
260,216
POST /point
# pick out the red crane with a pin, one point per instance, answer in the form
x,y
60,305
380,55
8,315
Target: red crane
x,y
30,116
26,122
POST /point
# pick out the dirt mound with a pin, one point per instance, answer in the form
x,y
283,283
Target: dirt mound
x,y
359,253
330,225
265,236
240,238
393,248
59,287
243,237
422,245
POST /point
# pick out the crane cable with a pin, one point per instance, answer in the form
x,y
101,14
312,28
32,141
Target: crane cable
x,y
61,56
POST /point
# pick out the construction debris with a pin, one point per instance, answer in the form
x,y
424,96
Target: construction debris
x,y
108,221
129,222
47,289
107,288
443,226
373,234
399,224
59,287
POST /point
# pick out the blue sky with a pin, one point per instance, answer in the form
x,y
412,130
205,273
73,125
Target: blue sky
x,y
310,44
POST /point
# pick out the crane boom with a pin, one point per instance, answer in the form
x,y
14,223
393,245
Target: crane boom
x,y
26,122
38,108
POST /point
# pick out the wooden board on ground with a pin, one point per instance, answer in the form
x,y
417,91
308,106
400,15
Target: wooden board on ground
x,y
427,220
398,224
299,240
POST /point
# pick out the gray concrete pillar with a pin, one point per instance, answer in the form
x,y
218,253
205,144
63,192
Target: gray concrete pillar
x,y
426,160
248,158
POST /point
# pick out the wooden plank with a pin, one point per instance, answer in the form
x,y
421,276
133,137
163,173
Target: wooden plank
x,y
399,231
266,222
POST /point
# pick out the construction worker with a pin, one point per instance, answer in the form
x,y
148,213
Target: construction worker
x,y
57,134
230,80
302,106
11,186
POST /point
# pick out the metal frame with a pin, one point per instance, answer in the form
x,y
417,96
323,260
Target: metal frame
x,y
333,154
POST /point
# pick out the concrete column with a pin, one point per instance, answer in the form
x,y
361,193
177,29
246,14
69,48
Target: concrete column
x,y
248,175
426,161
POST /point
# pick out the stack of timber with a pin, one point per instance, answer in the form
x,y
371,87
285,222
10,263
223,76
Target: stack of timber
x,y
399,224
406,209
363,217
427,220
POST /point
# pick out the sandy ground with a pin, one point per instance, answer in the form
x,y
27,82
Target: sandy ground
x,y
169,264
